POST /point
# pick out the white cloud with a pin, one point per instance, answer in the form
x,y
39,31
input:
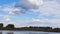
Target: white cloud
x,y
1,15
44,7
36,2
48,9
47,22
29,4
51,21
6,18
12,10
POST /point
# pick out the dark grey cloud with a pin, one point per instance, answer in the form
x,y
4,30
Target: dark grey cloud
x,y
25,4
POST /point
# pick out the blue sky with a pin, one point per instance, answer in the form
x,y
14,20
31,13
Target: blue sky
x,y
30,12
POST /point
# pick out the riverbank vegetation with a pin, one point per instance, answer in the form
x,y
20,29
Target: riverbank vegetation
x,y
30,28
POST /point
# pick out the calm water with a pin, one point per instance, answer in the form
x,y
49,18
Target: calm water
x,y
26,32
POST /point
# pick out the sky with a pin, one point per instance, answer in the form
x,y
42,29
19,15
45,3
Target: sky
x,y
23,13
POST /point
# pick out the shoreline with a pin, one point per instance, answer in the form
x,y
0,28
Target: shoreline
x,y
28,30
45,29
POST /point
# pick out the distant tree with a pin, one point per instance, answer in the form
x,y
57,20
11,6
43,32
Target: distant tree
x,y
10,26
1,25
30,27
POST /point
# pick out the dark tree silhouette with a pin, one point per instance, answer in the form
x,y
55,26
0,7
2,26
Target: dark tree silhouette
x,y
1,25
10,26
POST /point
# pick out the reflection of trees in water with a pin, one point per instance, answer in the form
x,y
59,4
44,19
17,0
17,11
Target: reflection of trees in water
x,y
9,32
0,32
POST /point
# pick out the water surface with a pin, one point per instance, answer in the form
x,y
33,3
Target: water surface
x,y
25,32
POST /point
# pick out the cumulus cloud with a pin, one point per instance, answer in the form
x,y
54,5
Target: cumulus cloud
x,y
12,10
51,21
44,7
47,22
29,4
6,18
21,6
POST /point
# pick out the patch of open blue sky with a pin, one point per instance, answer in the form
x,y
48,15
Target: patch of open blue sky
x,y
7,1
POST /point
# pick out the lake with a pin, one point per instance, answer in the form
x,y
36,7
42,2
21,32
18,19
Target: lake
x,y
25,32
